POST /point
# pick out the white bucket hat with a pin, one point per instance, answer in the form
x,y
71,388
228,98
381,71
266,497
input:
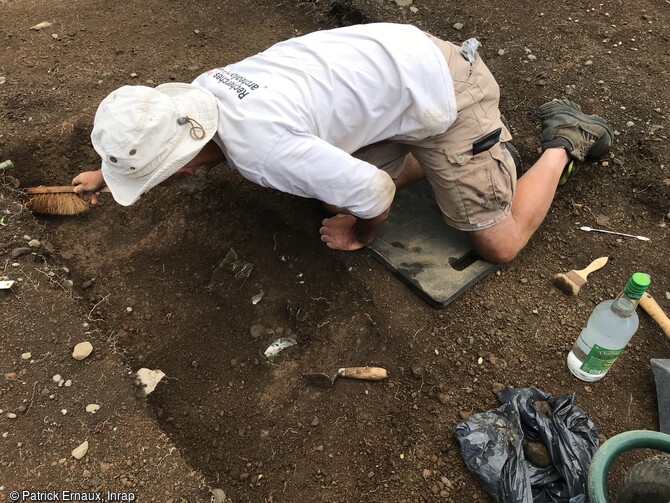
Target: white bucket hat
x,y
145,135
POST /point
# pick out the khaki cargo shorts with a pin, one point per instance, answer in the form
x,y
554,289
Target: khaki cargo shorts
x,y
473,191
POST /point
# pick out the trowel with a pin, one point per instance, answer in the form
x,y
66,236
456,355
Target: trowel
x,y
327,381
661,368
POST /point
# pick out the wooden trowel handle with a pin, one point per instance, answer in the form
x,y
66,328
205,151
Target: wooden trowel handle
x,y
59,189
654,310
368,373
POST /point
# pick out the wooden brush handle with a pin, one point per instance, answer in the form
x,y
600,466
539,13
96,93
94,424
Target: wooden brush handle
x,y
654,310
58,189
368,373
593,266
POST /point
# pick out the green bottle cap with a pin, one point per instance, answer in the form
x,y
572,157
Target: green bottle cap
x,y
637,285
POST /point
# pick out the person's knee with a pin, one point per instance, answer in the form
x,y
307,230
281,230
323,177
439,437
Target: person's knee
x,y
498,256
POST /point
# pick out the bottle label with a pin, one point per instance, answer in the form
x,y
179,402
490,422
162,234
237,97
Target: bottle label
x,y
599,360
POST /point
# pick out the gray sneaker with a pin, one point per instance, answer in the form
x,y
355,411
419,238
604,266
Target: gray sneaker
x,y
565,125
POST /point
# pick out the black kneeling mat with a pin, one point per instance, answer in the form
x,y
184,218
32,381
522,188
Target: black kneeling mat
x,y
436,261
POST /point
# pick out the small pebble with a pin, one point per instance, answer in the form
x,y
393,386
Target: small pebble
x,y
92,408
219,495
82,350
11,415
497,387
56,378
458,26
20,252
26,356
34,243
68,383
80,451
501,52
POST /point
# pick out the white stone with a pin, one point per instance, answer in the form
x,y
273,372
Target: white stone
x,y
80,452
56,378
63,411
68,383
92,408
149,378
11,415
219,495
26,356
82,350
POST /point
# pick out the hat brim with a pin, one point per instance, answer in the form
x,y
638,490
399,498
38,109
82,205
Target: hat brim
x,y
192,101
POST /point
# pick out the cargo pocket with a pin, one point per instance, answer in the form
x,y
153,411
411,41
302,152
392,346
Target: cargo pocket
x,y
484,184
503,176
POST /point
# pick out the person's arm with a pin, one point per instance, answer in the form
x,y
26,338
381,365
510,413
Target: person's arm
x,y
304,165
348,233
87,184
533,196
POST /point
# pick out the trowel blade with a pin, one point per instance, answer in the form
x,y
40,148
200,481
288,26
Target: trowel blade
x,y
661,368
320,380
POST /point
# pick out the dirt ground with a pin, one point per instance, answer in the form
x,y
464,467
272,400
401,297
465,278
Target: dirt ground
x,y
148,285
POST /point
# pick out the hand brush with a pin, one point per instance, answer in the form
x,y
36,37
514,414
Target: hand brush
x,y
571,281
59,200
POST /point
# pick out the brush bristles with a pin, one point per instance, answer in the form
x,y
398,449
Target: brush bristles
x,y
566,284
57,204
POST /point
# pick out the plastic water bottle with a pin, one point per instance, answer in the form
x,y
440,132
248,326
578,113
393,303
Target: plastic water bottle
x,y
609,328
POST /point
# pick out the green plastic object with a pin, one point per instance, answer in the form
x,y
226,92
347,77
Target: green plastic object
x,y
612,449
6,165
637,285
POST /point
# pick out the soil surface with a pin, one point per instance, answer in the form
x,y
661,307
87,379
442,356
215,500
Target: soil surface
x,y
152,286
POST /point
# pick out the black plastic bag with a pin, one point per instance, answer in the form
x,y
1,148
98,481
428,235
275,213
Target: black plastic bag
x,y
492,448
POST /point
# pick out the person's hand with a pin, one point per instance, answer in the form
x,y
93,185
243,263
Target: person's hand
x,y
338,233
87,185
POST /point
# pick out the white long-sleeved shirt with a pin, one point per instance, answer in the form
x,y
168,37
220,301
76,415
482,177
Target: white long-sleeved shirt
x,y
291,116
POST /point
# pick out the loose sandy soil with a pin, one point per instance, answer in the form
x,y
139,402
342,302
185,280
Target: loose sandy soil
x,y
148,291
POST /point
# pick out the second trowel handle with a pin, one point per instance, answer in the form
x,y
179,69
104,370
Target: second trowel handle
x,y
368,373
649,304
